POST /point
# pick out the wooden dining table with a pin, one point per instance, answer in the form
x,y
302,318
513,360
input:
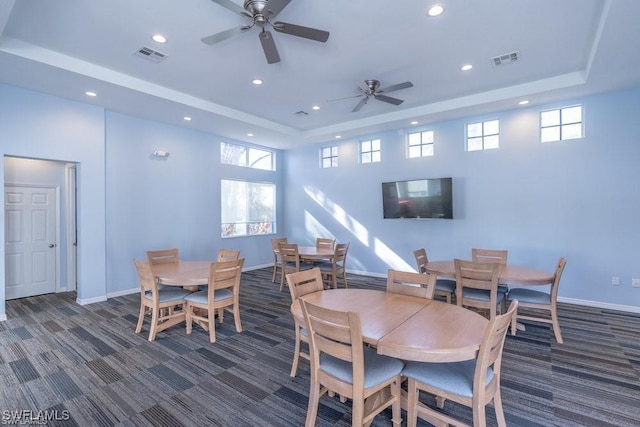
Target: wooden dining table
x,y
188,274
315,252
406,327
510,274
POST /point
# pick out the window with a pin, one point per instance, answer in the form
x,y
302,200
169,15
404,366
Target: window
x,y
420,144
370,151
483,135
247,208
561,124
329,157
249,157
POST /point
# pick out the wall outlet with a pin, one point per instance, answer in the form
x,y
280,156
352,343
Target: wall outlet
x,y
635,283
615,281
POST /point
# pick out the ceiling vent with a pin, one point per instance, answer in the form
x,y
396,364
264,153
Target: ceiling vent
x,y
507,58
301,113
150,54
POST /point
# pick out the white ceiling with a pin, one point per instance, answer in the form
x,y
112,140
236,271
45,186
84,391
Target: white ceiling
x,y
566,48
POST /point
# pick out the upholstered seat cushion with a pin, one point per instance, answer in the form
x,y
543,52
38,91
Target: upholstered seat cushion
x,y
200,297
454,377
292,266
445,285
480,294
168,295
503,289
529,296
377,368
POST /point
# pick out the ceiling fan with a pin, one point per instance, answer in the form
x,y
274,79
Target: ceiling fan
x,y
261,13
372,89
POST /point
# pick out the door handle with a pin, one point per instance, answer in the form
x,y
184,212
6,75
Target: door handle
x,y
52,245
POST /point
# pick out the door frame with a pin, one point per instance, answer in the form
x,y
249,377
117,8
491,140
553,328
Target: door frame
x,y
71,226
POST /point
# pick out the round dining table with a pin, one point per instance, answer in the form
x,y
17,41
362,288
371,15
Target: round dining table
x,y
510,274
188,274
315,252
406,327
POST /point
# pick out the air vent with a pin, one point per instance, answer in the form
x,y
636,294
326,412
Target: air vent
x,y
507,58
150,54
301,113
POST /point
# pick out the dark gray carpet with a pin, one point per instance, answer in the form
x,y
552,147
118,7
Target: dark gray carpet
x,y
70,365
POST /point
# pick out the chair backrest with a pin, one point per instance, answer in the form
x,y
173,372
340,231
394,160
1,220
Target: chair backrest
x,y
225,274
421,259
478,275
556,279
146,278
164,256
340,254
489,255
490,352
325,242
228,255
304,282
336,333
289,253
412,284
276,241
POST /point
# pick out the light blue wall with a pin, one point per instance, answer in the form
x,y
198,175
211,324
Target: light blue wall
x,y
578,199
159,203
44,127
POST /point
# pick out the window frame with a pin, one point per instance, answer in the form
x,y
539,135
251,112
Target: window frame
x,y
561,126
331,158
371,151
247,223
483,135
248,150
429,146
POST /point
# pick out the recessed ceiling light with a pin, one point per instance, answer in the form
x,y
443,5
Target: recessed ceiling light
x,y
256,81
159,38
435,10
414,122
249,134
89,93
187,118
466,67
523,102
338,136
315,107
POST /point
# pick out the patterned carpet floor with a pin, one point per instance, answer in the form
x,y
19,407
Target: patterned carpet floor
x,y
70,365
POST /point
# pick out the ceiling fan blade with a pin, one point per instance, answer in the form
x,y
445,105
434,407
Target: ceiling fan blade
x,y
274,7
345,97
360,104
224,35
233,7
269,47
390,100
300,31
396,87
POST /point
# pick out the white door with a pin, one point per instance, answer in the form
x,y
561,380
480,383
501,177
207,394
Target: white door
x,y
30,241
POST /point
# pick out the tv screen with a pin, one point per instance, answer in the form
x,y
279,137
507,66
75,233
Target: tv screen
x,y
418,198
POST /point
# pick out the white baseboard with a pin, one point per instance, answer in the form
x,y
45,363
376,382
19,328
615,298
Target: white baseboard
x,y
599,304
3,317
91,300
124,292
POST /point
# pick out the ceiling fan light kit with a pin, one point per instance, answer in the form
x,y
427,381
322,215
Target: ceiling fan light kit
x,y
261,12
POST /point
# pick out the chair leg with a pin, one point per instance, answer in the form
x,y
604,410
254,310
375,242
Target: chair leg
x,y
556,327
188,320
273,278
212,327
412,402
140,318
154,325
396,411
514,323
312,408
281,280
497,404
236,317
479,414
296,353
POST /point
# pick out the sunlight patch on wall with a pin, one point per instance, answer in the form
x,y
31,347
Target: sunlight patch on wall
x,y
313,227
392,259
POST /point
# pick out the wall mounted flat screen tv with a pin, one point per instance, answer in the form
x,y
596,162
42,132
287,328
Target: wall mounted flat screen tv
x,y
418,198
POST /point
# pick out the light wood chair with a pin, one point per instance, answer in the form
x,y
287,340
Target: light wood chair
x,y
228,255
163,256
337,267
161,304
477,286
302,283
277,260
539,303
473,383
290,261
498,256
222,293
445,288
340,363
412,284
325,242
